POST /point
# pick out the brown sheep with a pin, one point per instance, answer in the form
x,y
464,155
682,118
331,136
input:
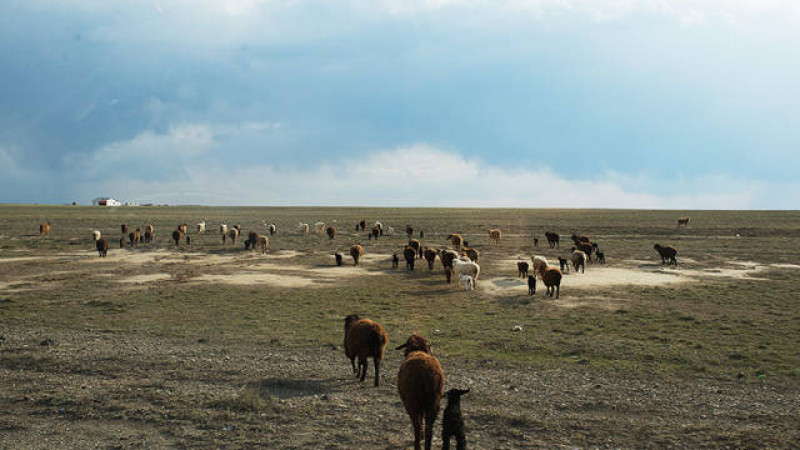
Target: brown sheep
x,y
362,224
578,259
125,228
364,338
135,237
176,236
551,277
457,240
234,233
430,256
183,227
417,246
420,382
471,253
262,243
331,232
683,221
102,247
356,251
252,240
667,253
447,257
409,230
44,229
522,268
149,233
410,254
553,239
494,235
585,247
376,231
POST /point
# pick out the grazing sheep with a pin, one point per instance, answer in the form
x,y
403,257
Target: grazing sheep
x,y
494,235
563,264
125,229
551,277
587,248
135,237
376,231
452,421
430,256
176,236
303,228
467,268
467,282
223,230
338,257
201,227
356,251
531,285
272,229
535,242
456,239
252,239
149,233
379,226
553,239
319,227
96,235
683,221
364,338
233,234
395,261
262,243
44,229
417,246
600,257
578,259
102,247
420,382
331,232
410,254
183,227
447,257
667,253
471,253
538,263
522,268
409,231
362,225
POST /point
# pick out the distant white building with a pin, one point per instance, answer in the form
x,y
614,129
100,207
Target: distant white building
x,y
105,201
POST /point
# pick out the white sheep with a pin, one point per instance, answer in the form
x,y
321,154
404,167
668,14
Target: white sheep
x,y
319,227
538,263
96,235
390,231
467,268
201,226
303,227
467,282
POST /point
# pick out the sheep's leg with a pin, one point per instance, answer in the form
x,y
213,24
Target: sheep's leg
x,y
417,423
430,418
377,362
362,365
461,441
558,291
445,441
353,363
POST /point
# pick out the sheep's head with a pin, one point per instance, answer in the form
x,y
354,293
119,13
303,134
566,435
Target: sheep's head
x,y
416,343
657,246
349,320
455,394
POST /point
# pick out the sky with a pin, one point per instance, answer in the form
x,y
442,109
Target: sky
x,y
662,104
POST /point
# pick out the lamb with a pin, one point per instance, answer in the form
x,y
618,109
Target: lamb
x,y
471,253
364,338
356,251
420,382
494,235
667,253
467,268
522,268
149,233
600,257
201,227
553,239
223,230
409,231
538,263
410,254
467,282
683,221
96,235
44,229
331,232
319,227
578,259
272,229
531,284
563,264
452,422
457,240
102,247
417,246
338,257
176,236
303,228
233,234
395,261
430,256
551,277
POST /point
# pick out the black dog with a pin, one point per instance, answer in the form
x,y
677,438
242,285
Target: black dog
x,y
531,284
452,422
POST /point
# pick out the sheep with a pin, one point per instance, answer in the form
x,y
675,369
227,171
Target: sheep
x,y
538,263
683,221
410,254
421,234
456,239
176,236
362,225
447,257
522,268
409,231
563,264
553,239
578,259
44,229
238,229
600,257
338,257
389,231
466,282
531,284
125,228
452,421
395,261
465,243
585,247
252,240
420,383
272,229
379,226
356,251
201,227
494,235
262,243
135,237
471,253
303,227
96,235
376,231
319,227
183,227
233,234
667,253
364,338
417,246
535,242
467,268
149,233
551,277
331,232
575,238
430,256
102,247
223,230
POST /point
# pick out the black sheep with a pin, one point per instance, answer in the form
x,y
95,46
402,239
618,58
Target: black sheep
x,y
338,257
395,261
452,422
531,284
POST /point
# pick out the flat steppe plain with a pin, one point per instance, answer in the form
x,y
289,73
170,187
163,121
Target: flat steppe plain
x,y
208,346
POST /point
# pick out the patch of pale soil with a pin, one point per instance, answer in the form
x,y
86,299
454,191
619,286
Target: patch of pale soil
x,y
20,259
785,266
291,281
594,302
145,278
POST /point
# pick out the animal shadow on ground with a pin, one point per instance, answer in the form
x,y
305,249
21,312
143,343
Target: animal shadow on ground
x,y
289,388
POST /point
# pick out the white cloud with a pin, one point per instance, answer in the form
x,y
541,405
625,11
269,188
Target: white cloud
x,y
421,175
